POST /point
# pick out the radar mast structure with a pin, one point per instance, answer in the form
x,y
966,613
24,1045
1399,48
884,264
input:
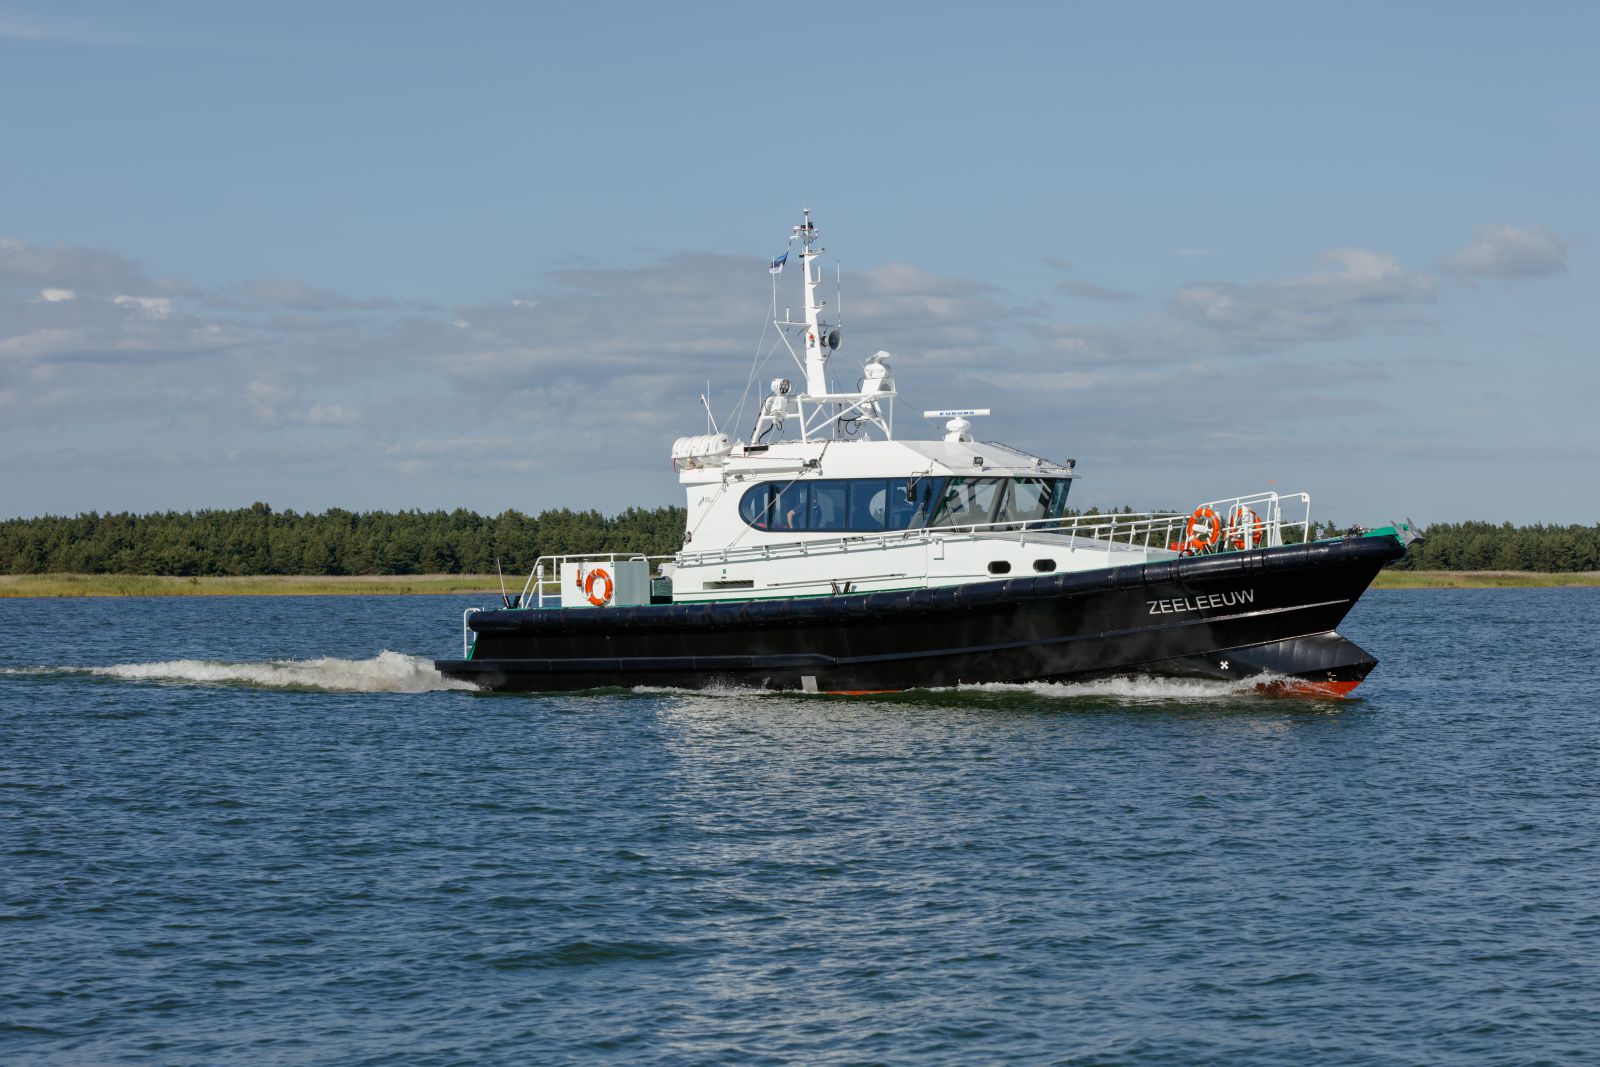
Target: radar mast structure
x,y
820,411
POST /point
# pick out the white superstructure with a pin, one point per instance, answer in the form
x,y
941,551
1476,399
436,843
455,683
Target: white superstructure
x,y
826,500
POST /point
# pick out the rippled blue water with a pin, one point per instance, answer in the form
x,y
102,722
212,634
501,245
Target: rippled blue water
x,y
236,862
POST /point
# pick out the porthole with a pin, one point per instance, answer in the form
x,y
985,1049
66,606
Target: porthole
x,y
1044,566
1000,566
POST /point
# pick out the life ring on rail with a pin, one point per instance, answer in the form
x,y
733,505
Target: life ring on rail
x,y
1209,526
1245,528
598,575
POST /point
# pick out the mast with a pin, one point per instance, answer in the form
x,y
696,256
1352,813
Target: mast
x,y
816,350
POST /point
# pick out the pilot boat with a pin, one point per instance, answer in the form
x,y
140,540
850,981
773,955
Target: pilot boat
x,y
829,555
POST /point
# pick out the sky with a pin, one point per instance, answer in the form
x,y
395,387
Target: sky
x,y
394,256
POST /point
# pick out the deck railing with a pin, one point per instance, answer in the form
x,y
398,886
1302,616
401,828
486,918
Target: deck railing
x,y
1231,524
544,581
1239,522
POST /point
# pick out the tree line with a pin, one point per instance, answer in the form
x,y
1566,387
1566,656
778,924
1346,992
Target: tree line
x,y
258,540
1484,546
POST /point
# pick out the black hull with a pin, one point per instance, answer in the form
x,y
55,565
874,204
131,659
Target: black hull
x,y
1269,612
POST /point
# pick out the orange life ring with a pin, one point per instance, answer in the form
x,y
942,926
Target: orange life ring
x,y
1212,533
1245,528
588,587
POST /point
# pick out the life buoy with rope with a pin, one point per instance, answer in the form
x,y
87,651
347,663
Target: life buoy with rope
x,y
1245,528
1203,530
599,574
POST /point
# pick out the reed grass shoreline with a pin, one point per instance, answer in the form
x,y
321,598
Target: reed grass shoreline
x,y
97,585
84,585
1398,579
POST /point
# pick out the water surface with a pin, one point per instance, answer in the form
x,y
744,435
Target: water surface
x,y
262,830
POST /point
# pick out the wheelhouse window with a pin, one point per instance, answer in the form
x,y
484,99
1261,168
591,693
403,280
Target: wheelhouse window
x,y
968,502
1033,500
869,505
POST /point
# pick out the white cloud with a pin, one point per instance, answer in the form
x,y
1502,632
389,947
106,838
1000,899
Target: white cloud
x,y
56,296
155,307
41,344
275,405
1367,289
62,266
608,364
1502,251
266,400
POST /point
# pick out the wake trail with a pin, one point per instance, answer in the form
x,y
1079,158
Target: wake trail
x,y
1127,687
1140,687
387,672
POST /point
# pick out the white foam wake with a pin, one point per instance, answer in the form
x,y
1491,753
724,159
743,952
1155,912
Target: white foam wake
x,y
1143,687
387,672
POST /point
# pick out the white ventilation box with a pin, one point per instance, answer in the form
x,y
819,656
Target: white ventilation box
x,y
606,583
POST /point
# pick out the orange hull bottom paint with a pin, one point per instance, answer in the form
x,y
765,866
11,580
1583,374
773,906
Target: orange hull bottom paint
x,y
1301,688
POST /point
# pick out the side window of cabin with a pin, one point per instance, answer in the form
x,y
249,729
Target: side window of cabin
x,y
755,507
791,507
866,505
829,509
1058,496
869,499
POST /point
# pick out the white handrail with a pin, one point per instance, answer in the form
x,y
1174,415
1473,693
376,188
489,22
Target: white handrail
x,y
1149,530
540,581
1141,529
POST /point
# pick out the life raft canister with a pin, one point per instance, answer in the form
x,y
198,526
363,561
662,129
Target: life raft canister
x,y
598,575
1245,528
1209,527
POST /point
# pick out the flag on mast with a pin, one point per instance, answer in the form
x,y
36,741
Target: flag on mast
x,y
777,264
